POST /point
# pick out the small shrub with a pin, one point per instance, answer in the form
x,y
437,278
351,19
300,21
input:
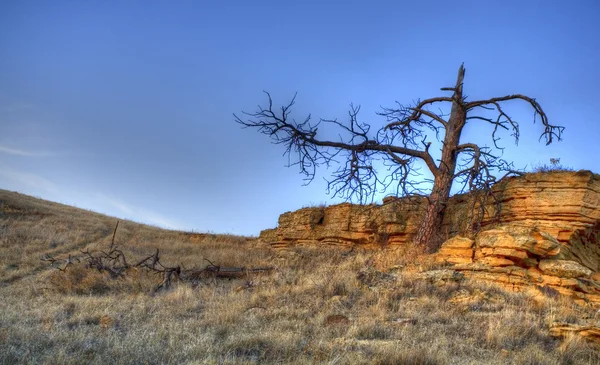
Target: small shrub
x,y
554,165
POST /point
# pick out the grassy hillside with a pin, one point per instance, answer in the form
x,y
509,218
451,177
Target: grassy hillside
x,y
319,305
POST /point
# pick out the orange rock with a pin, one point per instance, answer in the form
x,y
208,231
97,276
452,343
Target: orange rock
x,y
503,251
496,261
519,239
510,270
456,250
458,242
590,333
535,275
558,281
564,268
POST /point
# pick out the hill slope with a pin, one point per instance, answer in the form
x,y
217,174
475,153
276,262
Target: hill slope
x,y
320,305
31,228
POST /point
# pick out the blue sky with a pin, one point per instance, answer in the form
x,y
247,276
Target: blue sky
x,y
125,107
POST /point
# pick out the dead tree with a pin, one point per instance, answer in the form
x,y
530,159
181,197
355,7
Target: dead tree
x,y
387,158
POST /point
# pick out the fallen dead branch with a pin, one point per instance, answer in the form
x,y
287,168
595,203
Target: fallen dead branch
x,y
68,261
115,263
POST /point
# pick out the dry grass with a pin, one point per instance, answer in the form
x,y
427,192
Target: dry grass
x,y
321,305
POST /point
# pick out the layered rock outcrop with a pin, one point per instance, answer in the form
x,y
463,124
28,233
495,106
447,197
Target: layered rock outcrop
x,y
518,258
538,229
347,224
561,204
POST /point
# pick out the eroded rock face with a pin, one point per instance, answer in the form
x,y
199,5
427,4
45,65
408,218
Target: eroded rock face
x,y
564,269
559,204
347,224
518,258
458,250
542,229
522,241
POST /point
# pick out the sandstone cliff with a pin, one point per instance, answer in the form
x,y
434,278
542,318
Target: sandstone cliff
x,y
559,203
539,229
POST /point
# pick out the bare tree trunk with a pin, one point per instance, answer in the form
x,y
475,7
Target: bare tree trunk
x,y
429,234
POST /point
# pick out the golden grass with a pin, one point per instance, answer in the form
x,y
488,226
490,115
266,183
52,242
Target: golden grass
x,y
321,304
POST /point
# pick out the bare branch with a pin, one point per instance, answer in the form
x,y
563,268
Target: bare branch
x,y
417,111
112,242
550,131
357,177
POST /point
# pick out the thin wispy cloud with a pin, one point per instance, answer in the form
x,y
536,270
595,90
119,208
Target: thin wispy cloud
x,y
120,206
139,214
37,185
28,180
160,220
21,152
